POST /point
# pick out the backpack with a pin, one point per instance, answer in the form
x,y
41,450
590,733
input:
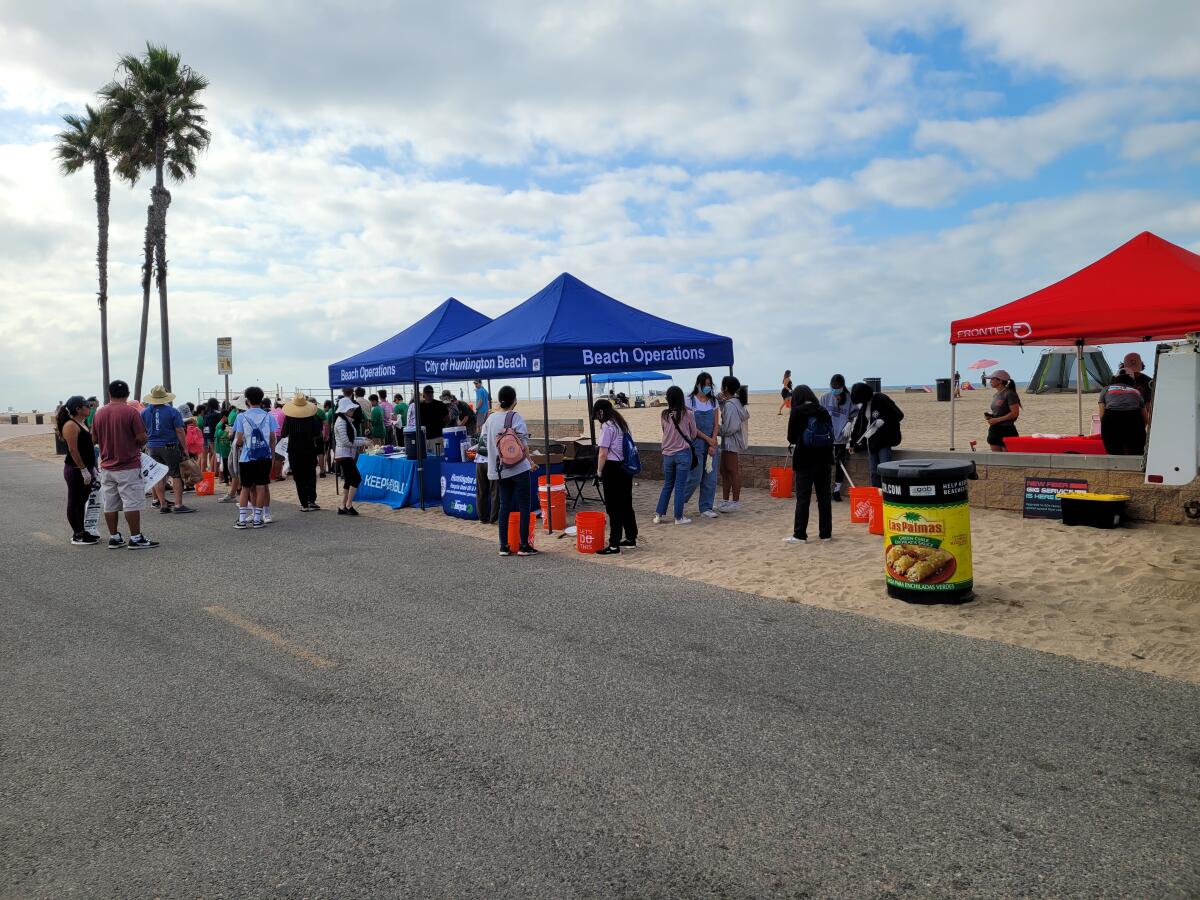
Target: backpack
x,y
818,433
258,447
631,463
509,448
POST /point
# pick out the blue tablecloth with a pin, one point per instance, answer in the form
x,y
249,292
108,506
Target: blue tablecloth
x,y
393,481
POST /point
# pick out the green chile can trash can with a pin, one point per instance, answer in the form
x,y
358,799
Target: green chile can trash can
x,y
927,530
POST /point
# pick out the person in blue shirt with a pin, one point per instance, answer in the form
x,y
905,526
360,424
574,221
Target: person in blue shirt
x,y
842,412
165,440
481,402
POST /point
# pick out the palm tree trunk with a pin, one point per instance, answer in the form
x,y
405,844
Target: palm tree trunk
x,y
147,268
162,199
100,168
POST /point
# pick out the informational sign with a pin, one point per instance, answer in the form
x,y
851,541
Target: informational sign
x,y
458,490
1041,496
91,512
225,356
152,472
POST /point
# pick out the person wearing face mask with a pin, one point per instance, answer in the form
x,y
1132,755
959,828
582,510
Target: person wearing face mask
x,y
702,403
842,411
876,426
79,468
734,419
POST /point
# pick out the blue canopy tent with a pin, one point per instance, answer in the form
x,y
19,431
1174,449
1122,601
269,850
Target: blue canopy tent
x,y
613,377
569,328
392,362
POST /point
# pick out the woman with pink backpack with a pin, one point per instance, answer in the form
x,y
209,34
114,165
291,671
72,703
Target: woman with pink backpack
x,y
507,438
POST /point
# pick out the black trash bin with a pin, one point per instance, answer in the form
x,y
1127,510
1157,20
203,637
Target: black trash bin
x,y
943,390
876,384
14,420
39,419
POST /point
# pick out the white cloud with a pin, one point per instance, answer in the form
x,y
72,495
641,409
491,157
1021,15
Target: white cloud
x,y
1163,138
926,182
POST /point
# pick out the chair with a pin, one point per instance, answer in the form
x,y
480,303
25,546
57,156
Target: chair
x,y
579,470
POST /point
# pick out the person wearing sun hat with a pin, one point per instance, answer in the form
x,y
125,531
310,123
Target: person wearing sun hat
x,y
343,435
165,440
303,432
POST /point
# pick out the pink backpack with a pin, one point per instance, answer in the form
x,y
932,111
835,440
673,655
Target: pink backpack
x,y
194,440
509,448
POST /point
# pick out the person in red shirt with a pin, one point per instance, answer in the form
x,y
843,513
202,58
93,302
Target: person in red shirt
x,y
121,435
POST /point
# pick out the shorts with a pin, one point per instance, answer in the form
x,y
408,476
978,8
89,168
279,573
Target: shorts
x,y
231,463
122,489
168,456
349,471
997,433
255,473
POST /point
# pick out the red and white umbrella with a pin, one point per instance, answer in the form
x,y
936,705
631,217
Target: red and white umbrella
x,y
984,364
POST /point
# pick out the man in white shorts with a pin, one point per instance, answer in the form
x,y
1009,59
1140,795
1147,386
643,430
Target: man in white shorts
x,y
120,435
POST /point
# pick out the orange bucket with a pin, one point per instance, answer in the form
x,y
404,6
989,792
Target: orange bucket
x,y
589,531
860,503
554,510
875,522
514,530
207,485
781,482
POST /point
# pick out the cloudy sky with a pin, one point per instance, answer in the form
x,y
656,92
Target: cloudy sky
x,y
828,183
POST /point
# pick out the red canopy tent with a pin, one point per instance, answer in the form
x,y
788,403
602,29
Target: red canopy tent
x,y
1147,289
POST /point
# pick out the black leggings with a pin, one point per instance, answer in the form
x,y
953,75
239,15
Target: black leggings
x,y
618,503
514,497
350,473
77,497
1123,432
305,476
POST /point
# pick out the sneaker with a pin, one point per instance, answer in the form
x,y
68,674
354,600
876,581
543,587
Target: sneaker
x,y
528,550
830,538
258,523
504,551
304,509
84,539
683,521
711,514
608,551
792,539
154,503
165,509
341,510
241,523
313,506
185,509
351,511
658,520
837,496
142,543
731,506
228,498
267,520
629,543
116,542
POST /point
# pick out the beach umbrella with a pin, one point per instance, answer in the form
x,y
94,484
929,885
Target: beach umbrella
x,y
984,364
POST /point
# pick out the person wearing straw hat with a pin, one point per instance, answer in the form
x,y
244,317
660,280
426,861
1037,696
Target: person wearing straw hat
x,y
303,432
165,440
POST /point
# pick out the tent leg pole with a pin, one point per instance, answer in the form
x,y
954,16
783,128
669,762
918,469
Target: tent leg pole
x,y
591,421
953,367
546,443
420,448
1079,382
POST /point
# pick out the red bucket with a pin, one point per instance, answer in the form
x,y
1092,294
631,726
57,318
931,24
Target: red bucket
x,y
514,530
860,503
875,520
589,531
781,482
207,485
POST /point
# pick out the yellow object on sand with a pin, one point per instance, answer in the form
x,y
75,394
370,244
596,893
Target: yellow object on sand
x,y
1068,495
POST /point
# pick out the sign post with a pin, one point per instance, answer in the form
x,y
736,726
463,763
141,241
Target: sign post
x,y
225,361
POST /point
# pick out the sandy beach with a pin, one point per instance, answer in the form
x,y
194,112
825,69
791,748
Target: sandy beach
x,y
1128,598
926,423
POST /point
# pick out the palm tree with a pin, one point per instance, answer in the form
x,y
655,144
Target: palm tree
x,y
158,125
85,142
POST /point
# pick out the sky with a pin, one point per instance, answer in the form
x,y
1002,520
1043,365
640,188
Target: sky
x,y
828,183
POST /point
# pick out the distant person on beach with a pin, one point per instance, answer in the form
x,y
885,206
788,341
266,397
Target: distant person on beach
x,y
482,401
957,384
702,402
734,440
785,393
79,468
166,439
810,432
503,428
618,484
1123,417
876,427
343,434
1002,415
121,434
678,454
254,441
302,430
841,411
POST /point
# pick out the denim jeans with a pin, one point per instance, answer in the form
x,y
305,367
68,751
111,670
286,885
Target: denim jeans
x,y
675,475
704,475
514,497
882,455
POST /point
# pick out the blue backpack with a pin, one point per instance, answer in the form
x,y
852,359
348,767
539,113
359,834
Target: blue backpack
x,y
259,448
818,433
631,463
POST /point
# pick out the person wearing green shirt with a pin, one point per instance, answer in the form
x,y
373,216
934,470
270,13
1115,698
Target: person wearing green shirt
x,y
377,430
401,418
94,404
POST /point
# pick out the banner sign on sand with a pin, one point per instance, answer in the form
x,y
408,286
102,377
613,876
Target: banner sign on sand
x,y
1041,496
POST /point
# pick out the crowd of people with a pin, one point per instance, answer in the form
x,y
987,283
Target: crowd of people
x,y
251,440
